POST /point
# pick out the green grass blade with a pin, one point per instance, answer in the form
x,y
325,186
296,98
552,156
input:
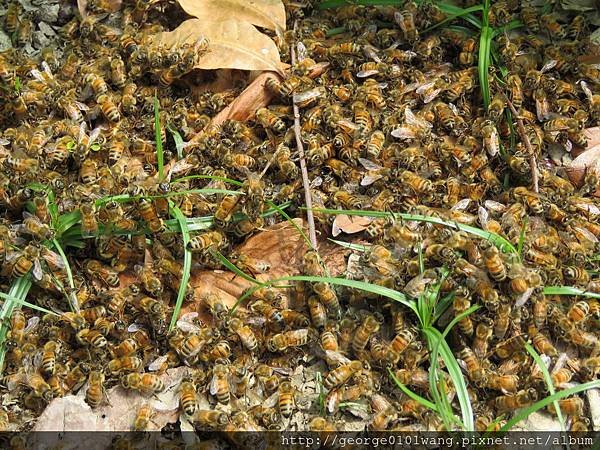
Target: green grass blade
x,y
494,238
178,141
160,157
19,289
526,412
356,247
321,390
124,198
66,221
456,15
233,268
423,401
421,258
335,31
187,264
548,381
569,290
291,221
442,306
207,177
459,384
483,64
22,302
61,252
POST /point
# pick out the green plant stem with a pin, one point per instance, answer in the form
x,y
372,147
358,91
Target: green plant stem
x,y
548,381
526,412
187,264
411,394
71,295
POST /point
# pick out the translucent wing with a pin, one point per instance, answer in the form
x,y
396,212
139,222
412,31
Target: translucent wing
x,y
368,164
483,215
462,204
367,73
549,65
495,206
37,272
370,178
309,95
32,324
157,363
411,119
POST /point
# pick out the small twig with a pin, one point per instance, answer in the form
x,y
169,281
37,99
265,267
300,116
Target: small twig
x,y
305,182
525,138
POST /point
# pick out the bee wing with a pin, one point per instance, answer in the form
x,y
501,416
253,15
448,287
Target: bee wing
x,y
82,106
95,134
157,363
309,95
4,141
214,385
367,73
586,90
37,272
337,358
587,234
493,144
404,133
47,69
427,92
461,205
523,298
272,400
370,178
399,19
185,323
35,73
335,229
302,51
53,258
32,324
542,108
134,327
495,206
371,53
368,164
411,119
549,65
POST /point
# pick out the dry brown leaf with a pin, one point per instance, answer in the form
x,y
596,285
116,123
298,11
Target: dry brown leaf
x,y
268,14
586,161
349,224
255,96
280,246
232,45
72,413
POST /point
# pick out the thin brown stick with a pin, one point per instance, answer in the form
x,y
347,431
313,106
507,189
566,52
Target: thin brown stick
x,y
525,138
312,234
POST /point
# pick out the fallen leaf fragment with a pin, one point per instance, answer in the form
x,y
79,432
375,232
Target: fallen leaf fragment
x,y
349,224
72,413
255,96
587,161
232,44
269,14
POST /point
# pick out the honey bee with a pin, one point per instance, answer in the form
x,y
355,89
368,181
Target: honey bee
x,y
582,338
188,400
91,337
205,242
561,376
143,418
483,334
509,347
467,55
474,369
406,21
12,19
148,214
506,383
415,183
552,27
521,399
151,282
109,109
125,364
459,305
541,343
210,418
346,48
146,382
363,333
342,374
245,334
440,252
530,18
294,338
572,406
219,385
576,275
402,340
328,297
39,387
225,209
95,392
286,401
76,377
102,272
20,165
270,120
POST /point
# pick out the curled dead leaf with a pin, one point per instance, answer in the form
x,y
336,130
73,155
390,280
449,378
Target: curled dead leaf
x,y
269,14
349,224
255,96
232,45
587,161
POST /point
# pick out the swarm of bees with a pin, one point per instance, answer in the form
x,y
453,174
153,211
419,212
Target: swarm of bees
x,y
392,120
